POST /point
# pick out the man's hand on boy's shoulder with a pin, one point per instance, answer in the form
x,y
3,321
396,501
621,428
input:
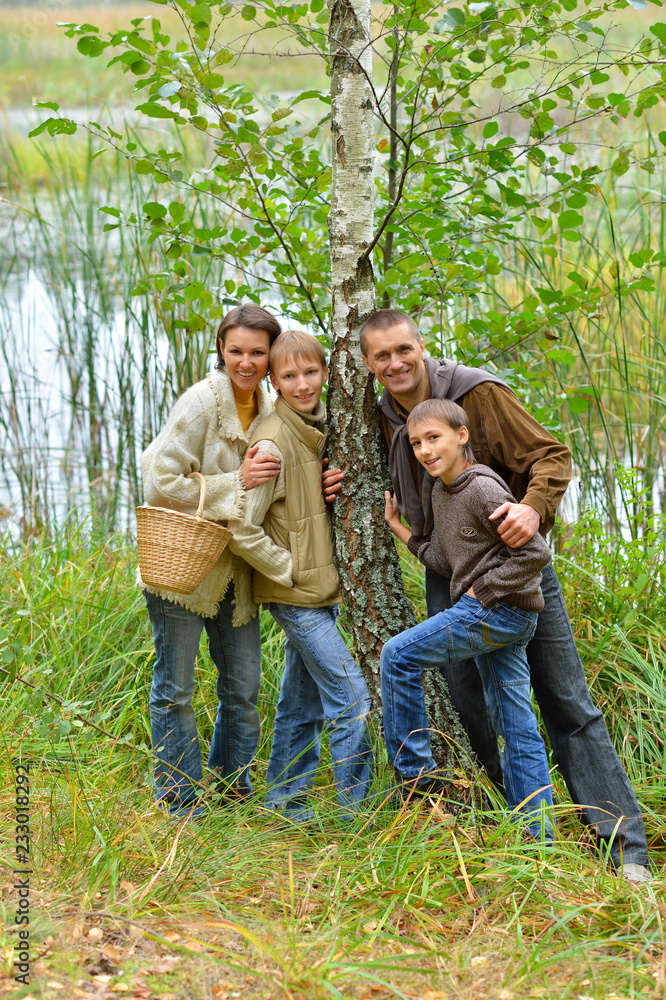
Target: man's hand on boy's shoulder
x,y
331,481
519,525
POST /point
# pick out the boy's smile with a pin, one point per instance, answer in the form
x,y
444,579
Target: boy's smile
x,y
299,381
439,449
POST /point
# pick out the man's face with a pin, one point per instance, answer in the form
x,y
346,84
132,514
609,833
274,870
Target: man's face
x,y
396,358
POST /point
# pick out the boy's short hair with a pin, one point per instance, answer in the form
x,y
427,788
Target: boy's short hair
x,y
297,344
384,319
446,412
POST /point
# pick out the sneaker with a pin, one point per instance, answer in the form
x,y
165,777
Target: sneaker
x,y
636,873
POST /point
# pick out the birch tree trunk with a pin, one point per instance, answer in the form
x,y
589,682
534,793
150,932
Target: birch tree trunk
x,y
369,568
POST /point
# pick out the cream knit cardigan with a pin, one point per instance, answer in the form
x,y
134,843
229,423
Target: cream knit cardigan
x,y
204,434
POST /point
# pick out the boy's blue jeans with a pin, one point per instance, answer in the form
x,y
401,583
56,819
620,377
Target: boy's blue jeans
x,y
236,652
322,686
496,637
597,782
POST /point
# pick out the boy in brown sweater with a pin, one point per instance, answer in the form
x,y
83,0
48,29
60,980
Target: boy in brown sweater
x,y
497,596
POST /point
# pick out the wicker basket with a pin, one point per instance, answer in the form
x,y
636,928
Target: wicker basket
x,y
176,551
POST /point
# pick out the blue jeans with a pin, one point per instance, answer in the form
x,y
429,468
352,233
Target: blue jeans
x,y
596,780
322,686
236,652
496,636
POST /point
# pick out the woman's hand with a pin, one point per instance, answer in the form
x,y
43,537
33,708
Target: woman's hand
x,y
257,469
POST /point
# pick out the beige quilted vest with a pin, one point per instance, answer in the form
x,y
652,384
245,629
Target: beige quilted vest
x,y
299,522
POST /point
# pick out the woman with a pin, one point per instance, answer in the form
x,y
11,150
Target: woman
x,y
208,431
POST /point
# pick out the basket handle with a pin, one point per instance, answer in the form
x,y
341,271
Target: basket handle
x,y
202,496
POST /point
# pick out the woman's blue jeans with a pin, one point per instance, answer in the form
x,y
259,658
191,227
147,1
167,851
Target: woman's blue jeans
x,y
236,652
322,686
496,636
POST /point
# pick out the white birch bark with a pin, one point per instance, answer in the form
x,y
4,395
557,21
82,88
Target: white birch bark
x,y
369,568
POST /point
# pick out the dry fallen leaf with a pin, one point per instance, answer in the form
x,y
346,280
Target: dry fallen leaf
x,y
120,988
113,953
478,960
164,963
194,946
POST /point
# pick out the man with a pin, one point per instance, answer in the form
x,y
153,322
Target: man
x,y
537,468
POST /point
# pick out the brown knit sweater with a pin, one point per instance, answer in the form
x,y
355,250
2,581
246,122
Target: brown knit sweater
x,y
466,546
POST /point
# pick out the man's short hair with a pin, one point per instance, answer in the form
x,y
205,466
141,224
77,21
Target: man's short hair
x,y
297,344
384,319
446,412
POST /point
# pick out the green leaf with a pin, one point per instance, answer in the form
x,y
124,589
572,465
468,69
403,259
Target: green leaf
x,y
155,110
144,167
454,17
154,210
169,89
200,14
308,95
46,104
212,81
561,354
90,46
570,219
490,129
44,125
578,404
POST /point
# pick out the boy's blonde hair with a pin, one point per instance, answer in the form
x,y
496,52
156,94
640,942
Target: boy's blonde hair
x,y
297,344
446,412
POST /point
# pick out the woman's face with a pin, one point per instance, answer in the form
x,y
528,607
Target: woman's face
x,y
246,354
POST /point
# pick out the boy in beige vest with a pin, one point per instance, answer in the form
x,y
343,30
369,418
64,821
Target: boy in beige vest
x,y
322,685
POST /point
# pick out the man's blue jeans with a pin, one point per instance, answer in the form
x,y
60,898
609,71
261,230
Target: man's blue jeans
x,y
596,780
322,686
236,652
496,636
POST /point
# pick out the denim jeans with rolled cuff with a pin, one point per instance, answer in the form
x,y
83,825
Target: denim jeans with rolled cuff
x,y
322,689
597,782
496,636
236,652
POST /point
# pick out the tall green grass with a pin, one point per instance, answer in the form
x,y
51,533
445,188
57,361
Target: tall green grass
x,y
409,902
90,368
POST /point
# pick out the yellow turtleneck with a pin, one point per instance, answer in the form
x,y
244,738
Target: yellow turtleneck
x,y
247,405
